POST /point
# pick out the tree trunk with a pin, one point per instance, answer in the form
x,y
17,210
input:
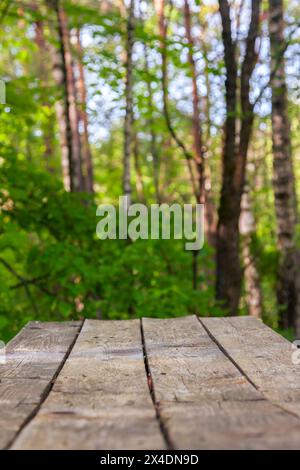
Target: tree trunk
x,y
128,131
229,274
66,109
288,291
140,189
197,131
251,275
228,264
48,128
64,143
76,169
153,143
211,213
87,159
203,176
62,104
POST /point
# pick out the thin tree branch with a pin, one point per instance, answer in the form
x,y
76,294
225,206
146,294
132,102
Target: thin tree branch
x,y
33,281
23,282
275,69
163,29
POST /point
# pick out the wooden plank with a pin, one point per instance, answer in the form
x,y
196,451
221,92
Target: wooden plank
x,y
204,401
263,355
37,349
33,358
100,399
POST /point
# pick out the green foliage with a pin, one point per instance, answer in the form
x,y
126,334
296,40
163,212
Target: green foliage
x,y
52,266
55,268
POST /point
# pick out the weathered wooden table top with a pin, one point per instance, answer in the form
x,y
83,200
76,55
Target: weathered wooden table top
x,y
184,383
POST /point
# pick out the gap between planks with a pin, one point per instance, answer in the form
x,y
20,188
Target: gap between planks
x,y
163,429
226,353
204,398
223,350
106,353
47,392
260,378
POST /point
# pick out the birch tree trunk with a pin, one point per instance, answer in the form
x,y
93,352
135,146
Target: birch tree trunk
x,y
288,291
140,189
128,125
87,159
251,274
211,212
153,143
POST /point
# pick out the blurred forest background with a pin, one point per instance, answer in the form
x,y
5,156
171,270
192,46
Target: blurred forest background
x,y
163,101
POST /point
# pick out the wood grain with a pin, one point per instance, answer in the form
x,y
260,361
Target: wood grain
x,y
100,399
228,383
33,358
263,355
204,401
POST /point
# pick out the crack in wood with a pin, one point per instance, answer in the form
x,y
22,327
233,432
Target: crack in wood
x,y
48,389
243,372
156,404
